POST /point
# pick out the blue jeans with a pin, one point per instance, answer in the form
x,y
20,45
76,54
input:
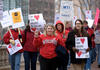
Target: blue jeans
x,y
15,61
88,62
98,51
30,59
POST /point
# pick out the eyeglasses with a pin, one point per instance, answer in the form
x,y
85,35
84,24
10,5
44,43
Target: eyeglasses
x,y
78,23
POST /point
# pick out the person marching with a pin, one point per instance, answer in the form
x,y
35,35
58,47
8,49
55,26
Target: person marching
x,y
30,51
97,41
78,31
92,52
15,58
63,34
47,43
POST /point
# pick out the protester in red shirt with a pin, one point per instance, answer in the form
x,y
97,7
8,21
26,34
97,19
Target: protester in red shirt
x,y
92,58
60,31
15,58
30,51
47,43
68,26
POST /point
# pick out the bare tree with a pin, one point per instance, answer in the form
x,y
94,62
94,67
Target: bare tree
x,y
89,5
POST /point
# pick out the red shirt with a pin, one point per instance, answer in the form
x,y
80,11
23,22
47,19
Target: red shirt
x,y
28,41
7,37
47,45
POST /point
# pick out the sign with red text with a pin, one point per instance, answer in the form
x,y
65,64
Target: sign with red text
x,y
12,49
88,14
81,43
37,21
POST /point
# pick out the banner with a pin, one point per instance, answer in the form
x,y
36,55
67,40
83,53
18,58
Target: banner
x,y
7,21
96,17
13,49
17,18
37,21
81,43
66,10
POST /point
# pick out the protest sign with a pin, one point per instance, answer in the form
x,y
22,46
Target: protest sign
x,y
74,19
81,43
90,22
37,21
66,10
12,49
6,22
88,14
57,17
17,18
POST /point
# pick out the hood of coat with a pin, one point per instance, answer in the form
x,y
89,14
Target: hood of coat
x,y
59,22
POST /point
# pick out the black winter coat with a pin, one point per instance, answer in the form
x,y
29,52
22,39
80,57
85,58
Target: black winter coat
x,y
70,43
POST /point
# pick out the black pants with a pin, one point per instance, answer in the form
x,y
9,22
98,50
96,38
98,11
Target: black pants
x,y
47,64
63,62
30,59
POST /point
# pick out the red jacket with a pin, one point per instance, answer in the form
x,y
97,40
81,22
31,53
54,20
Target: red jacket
x,y
47,45
28,41
7,37
62,34
92,36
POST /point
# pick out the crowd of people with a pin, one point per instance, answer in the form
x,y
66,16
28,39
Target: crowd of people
x,y
55,46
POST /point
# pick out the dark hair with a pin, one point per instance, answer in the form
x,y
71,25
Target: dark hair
x,y
79,21
83,31
27,27
85,22
61,25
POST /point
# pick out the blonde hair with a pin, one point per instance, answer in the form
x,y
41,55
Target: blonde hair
x,y
46,26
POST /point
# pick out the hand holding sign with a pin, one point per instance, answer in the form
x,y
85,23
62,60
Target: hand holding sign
x,y
81,43
14,48
12,42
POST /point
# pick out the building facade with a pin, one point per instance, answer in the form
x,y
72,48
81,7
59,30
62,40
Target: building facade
x,y
46,7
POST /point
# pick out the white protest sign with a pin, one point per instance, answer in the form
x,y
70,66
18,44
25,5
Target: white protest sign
x,y
1,9
66,10
74,19
13,49
82,54
88,14
90,22
17,18
6,22
81,43
37,21
57,17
